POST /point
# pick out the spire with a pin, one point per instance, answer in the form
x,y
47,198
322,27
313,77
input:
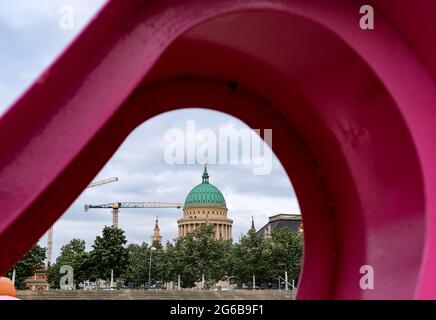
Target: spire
x,y
253,228
156,232
205,175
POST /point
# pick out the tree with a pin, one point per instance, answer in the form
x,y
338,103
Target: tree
x,y
286,253
226,259
137,270
183,261
158,263
27,266
212,254
251,258
109,253
73,254
197,254
84,268
266,258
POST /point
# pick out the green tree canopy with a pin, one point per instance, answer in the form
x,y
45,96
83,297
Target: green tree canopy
x,y
251,258
73,254
286,253
197,254
192,256
28,264
267,258
109,253
137,270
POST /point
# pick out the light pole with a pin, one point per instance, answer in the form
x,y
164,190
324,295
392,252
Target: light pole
x,y
112,278
149,267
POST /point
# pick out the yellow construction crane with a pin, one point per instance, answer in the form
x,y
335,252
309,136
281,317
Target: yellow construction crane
x,y
115,206
50,231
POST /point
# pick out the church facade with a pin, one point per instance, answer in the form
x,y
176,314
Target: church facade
x,y
205,204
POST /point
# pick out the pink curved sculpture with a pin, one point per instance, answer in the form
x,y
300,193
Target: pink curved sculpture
x,y
352,112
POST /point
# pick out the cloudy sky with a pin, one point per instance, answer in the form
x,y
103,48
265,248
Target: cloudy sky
x,y
30,38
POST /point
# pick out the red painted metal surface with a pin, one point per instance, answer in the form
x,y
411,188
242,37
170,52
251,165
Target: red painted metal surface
x,y
352,114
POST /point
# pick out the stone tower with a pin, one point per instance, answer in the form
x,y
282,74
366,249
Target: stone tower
x,y
253,228
156,232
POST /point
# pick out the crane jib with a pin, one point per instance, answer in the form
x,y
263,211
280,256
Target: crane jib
x,y
133,205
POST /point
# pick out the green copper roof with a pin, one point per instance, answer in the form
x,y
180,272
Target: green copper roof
x,y
205,194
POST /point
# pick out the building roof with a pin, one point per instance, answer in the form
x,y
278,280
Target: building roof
x,y
205,194
290,221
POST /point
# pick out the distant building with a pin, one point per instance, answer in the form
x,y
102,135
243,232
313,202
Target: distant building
x,y
205,204
156,232
38,281
291,221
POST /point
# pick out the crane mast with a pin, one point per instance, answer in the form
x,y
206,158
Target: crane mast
x,y
49,246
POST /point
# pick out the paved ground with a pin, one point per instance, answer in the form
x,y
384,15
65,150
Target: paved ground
x,y
156,295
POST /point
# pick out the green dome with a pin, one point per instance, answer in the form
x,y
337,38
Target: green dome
x,y
205,194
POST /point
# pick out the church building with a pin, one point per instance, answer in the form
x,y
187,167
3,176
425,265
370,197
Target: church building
x,y
205,204
156,237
